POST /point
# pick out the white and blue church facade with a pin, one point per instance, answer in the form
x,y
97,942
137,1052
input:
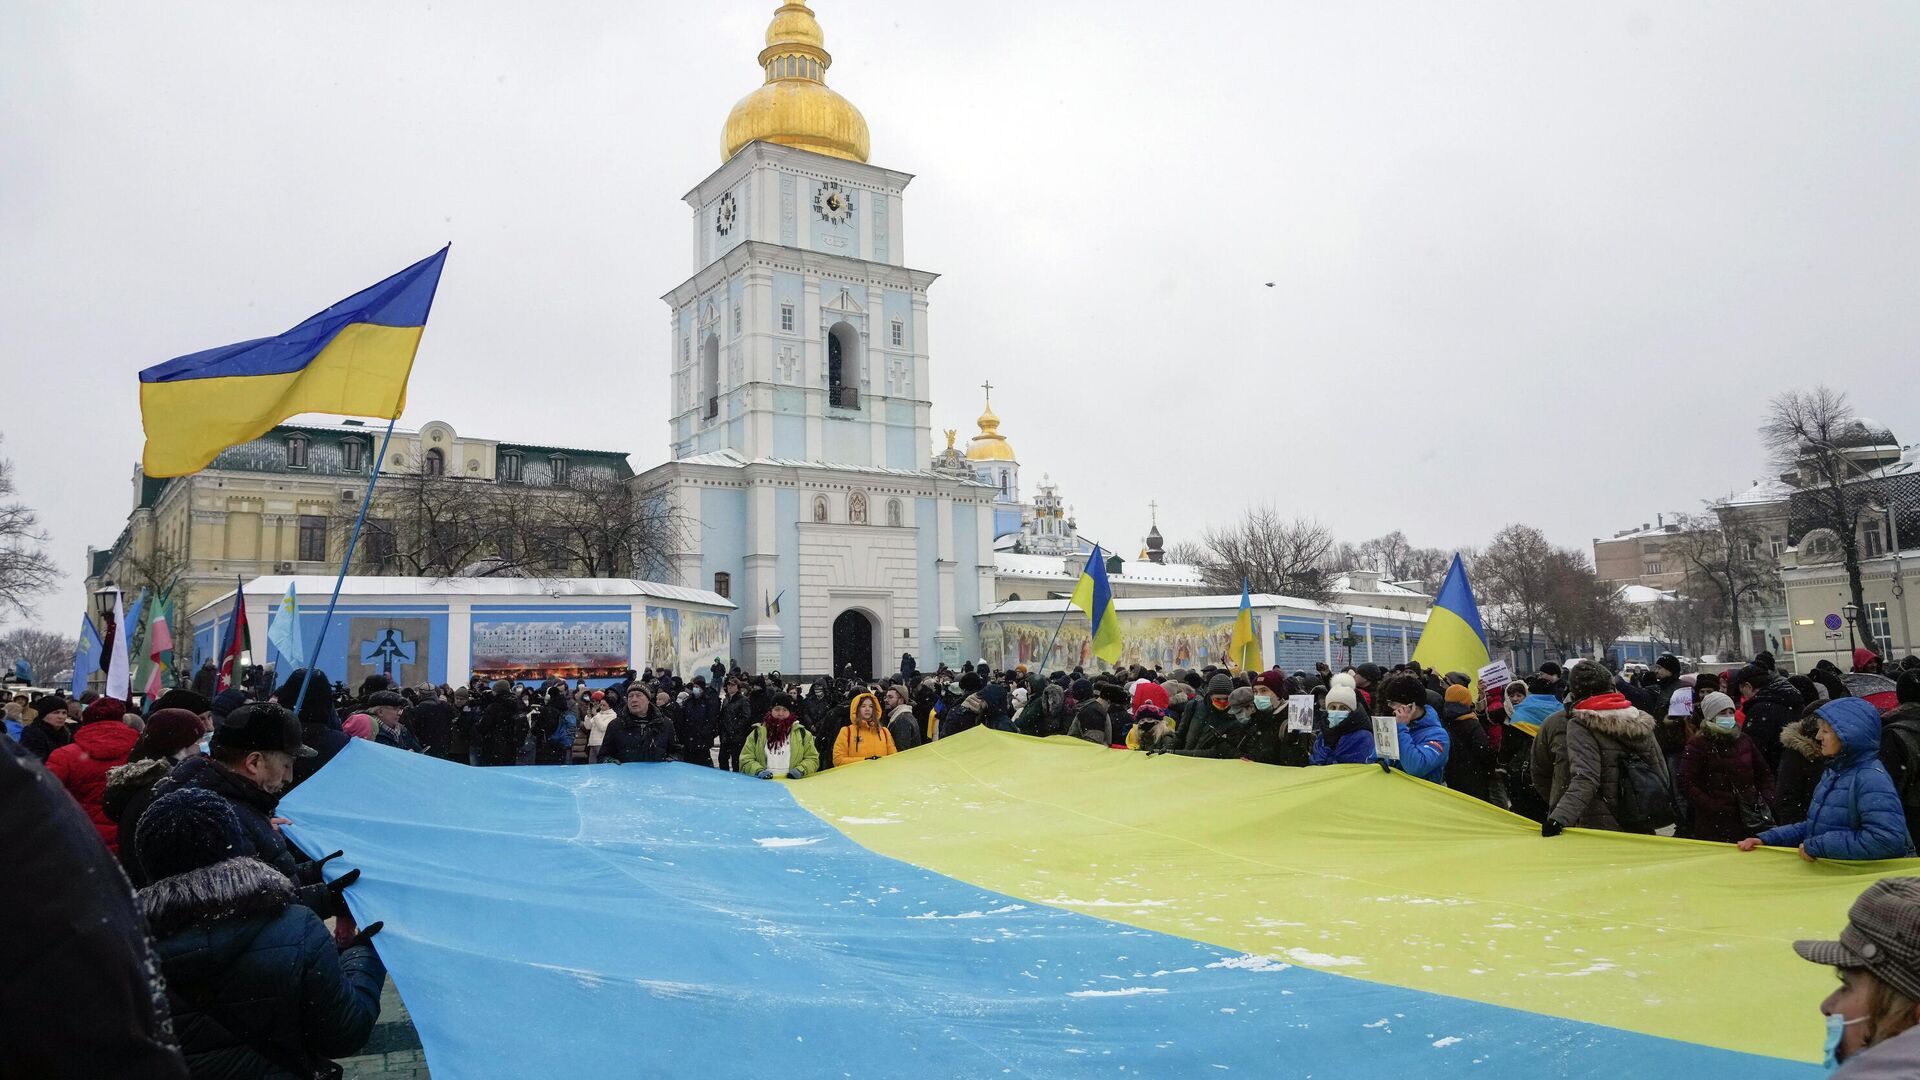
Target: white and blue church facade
x,y
801,441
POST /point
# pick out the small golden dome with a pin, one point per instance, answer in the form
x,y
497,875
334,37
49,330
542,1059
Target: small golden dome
x,y
990,445
795,107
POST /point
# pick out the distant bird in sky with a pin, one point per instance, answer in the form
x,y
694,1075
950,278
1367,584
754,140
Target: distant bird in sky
x,y
1269,284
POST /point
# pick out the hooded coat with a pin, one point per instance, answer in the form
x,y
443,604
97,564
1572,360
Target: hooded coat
x,y
857,741
1771,708
1716,769
1855,812
256,984
1202,730
1601,732
804,758
1801,766
1034,718
82,765
1900,753
128,793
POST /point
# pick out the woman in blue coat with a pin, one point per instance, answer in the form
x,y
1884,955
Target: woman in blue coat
x,y
1855,812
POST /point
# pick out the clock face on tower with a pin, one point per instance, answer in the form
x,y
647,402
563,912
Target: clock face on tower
x,y
832,204
724,214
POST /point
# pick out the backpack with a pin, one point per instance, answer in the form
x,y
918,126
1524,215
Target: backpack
x,y
1907,783
1642,802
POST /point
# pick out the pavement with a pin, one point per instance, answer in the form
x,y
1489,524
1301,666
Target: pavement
x,y
392,1052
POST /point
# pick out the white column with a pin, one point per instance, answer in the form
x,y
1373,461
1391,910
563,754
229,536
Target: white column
x,y
948,632
813,365
459,643
761,638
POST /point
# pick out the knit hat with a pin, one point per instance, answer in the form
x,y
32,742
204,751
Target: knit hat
x,y
104,708
47,705
170,731
228,700
181,698
1588,679
781,701
1345,679
1081,689
1681,703
970,683
1147,693
359,726
1714,704
1371,672
1273,681
1220,684
1459,695
1343,695
1668,663
186,829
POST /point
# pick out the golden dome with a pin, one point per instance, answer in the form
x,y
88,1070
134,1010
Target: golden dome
x,y
796,107
990,445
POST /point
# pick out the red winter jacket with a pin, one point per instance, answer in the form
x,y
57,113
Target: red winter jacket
x,y
81,766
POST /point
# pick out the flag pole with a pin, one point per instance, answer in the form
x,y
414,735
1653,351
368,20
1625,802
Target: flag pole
x,y
1064,612
313,654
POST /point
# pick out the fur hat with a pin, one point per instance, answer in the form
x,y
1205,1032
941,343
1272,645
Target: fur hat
x,y
1343,695
170,731
1588,679
186,829
1241,698
1459,695
104,708
971,683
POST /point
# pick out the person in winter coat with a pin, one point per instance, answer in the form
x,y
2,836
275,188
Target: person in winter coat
x,y
101,745
1266,739
47,730
1855,812
257,986
1199,732
1034,719
1221,737
1424,743
320,726
1347,738
779,747
502,727
1602,730
1900,746
1801,765
998,714
431,720
644,734
1719,770
1102,720
736,719
864,738
698,724
901,723
85,1000
1866,661
600,716
1526,709
1470,757
1769,703
1873,1016
172,736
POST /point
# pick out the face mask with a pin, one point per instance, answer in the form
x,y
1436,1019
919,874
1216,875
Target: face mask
x,y
1263,703
1837,1026
1724,724
1219,702
1336,717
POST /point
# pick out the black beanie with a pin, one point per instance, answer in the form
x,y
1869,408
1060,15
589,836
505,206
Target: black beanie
x,y
187,829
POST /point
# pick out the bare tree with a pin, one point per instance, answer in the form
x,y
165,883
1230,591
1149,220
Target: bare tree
x,y
1727,561
1806,433
1187,552
603,527
1581,610
1516,574
47,653
1272,554
1693,623
26,570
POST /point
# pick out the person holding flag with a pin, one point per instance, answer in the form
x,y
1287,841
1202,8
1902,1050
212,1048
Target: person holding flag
x,y
1243,648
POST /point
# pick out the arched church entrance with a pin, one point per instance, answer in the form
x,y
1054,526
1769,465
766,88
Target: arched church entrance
x,y
853,643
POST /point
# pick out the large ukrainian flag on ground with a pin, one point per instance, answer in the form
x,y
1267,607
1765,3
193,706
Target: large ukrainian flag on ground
x,y
1453,639
352,359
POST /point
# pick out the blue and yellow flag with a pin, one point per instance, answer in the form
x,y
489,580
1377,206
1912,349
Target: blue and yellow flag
x,y
1243,648
1095,597
86,655
1453,639
352,359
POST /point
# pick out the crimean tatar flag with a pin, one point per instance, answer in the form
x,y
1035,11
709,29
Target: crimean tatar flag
x,y
351,359
1243,648
86,656
1094,596
283,632
1453,639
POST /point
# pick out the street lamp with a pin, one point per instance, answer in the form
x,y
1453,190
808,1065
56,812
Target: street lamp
x,y
103,599
1851,612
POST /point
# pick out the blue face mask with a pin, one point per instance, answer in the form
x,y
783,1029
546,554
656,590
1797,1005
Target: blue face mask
x,y
1336,717
1724,724
1836,1030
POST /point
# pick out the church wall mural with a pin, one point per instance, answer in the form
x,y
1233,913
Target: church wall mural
x,y
537,645
1168,641
663,637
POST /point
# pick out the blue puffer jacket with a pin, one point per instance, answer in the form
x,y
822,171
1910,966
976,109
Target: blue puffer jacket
x,y
1855,812
1424,745
255,983
1349,744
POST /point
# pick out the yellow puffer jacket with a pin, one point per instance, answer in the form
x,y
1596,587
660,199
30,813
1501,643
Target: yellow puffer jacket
x,y
859,741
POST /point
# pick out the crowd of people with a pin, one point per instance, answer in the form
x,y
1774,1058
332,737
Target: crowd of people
x,y
262,971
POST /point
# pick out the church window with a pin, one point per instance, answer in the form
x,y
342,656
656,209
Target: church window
x,y
1003,483
819,508
510,462
899,333
857,508
723,583
843,367
893,513
786,318
296,452
434,463
710,375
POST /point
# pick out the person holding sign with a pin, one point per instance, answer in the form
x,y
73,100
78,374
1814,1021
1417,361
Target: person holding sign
x,y
1424,743
1348,736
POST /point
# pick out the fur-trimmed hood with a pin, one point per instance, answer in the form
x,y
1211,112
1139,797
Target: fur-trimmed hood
x,y
228,890
1800,737
1621,723
134,775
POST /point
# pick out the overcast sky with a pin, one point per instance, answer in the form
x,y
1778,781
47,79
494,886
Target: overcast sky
x,y
1540,261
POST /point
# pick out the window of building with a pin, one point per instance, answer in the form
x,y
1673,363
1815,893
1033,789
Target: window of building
x,y
723,583
377,545
434,463
1778,545
843,366
899,333
1874,543
510,463
1653,568
786,318
894,513
296,451
710,375
558,463
736,318
313,538
353,455
1878,626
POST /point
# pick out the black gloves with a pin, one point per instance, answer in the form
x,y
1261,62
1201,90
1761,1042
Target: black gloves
x,y
365,936
1551,827
320,867
337,888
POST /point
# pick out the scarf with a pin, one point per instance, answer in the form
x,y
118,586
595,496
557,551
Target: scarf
x,y
777,730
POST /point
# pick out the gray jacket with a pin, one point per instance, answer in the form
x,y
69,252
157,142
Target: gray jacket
x,y
1597,740
1897,1058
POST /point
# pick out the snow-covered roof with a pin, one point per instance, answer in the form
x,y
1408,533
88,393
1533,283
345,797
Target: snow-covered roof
x,y
1344,584
1134,571
1645,594
1645,532
313,589
733,459
1226,602
1762,493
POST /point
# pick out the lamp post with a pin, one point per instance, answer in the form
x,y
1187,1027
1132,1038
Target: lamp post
x,y
1851,612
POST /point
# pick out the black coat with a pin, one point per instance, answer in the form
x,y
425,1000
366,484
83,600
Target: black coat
x,y
698,726
1771,708
638,738
256,985
92,1005
1470,758
43,739
503,727
1265,739
326,740
432,723
256,809
128,794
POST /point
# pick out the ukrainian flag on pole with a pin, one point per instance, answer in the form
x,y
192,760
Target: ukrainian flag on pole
x,y
1243,648
1453,639
1094,596
352,359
